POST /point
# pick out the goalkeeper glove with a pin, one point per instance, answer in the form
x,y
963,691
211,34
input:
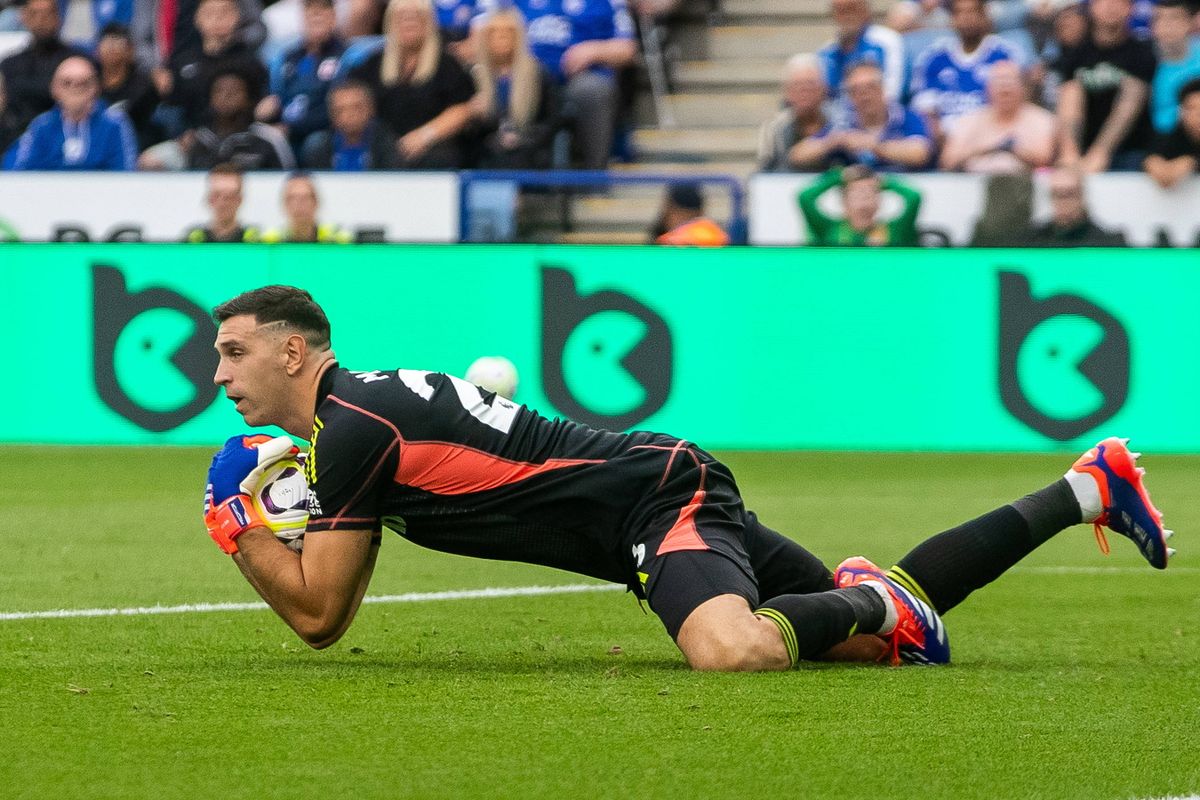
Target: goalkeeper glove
x,y
232,477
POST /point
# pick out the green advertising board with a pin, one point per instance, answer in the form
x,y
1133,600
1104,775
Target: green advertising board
x,y
740,348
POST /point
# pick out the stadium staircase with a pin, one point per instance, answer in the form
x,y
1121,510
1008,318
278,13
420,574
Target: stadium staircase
x,y
724,79
724,73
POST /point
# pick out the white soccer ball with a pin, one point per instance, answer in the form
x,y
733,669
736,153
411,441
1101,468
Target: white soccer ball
x,y
281,499
494,373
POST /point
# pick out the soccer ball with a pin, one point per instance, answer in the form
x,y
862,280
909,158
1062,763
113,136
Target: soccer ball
x,y
281,499
494,373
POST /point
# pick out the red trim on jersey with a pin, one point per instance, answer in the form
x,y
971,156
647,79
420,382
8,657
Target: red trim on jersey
x,y
446,468
683,534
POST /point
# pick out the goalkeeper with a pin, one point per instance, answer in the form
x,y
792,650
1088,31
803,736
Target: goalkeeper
x,y
458,469
862,196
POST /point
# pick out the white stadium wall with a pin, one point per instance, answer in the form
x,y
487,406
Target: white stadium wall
x,y
425,207
952,203
397,207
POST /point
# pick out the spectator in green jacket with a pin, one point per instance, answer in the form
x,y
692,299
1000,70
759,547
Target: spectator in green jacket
x,y
861,226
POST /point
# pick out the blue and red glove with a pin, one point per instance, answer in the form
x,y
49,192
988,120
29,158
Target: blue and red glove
x,y
233,475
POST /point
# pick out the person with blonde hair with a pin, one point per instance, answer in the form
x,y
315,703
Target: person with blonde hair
x,y
582,44
517,103
422,93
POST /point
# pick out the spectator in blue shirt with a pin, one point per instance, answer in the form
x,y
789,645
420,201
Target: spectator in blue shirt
x,y
581,43
879,133
950,76
358,141
301,80
80,132
454,18
858,40
1178,61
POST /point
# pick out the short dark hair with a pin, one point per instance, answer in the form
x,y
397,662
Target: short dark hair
x,y
1180,4
278,303
1188,89
858,172
687,196
232,70
116,29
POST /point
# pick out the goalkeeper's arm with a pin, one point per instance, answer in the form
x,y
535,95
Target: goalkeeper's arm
x,y
317,592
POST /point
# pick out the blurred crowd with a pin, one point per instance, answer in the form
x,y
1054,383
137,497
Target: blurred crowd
x,y
999,87
996,87
992,86
342,85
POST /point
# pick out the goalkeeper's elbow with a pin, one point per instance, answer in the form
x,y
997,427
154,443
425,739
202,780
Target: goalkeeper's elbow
x,y
320,633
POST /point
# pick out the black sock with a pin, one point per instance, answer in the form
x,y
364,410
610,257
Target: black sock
x,y
813,623
1049,511
949,566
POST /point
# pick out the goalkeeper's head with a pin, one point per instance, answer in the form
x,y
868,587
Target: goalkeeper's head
x,y
274,345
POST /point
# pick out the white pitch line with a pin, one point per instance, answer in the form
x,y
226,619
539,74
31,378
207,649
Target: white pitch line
x,y
1102,571
411,597
480,594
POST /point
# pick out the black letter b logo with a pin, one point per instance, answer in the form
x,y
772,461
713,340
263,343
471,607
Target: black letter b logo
x,y
1064,361
606,358
152,355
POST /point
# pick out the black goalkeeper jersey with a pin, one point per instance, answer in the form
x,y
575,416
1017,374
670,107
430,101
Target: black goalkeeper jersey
x,y
455,468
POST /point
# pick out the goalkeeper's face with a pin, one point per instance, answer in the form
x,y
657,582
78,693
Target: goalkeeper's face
x,y
254,369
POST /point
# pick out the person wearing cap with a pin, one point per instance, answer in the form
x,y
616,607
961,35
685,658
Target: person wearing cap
x,y
862,198
682,222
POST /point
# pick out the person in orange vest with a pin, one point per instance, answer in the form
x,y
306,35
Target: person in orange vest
x,y
682,220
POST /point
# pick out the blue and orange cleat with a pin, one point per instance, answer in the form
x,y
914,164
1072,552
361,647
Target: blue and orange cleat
x,y
1125,504
919,636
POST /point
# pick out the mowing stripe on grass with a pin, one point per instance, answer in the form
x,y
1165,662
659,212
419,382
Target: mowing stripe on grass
x,y
411,597
480,594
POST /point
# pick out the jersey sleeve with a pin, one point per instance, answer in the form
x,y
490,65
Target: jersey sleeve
x,y
352,456
913,125
905,225
820,226
921,86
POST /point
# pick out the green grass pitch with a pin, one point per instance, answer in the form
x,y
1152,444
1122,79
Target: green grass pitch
x,y
1074,676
